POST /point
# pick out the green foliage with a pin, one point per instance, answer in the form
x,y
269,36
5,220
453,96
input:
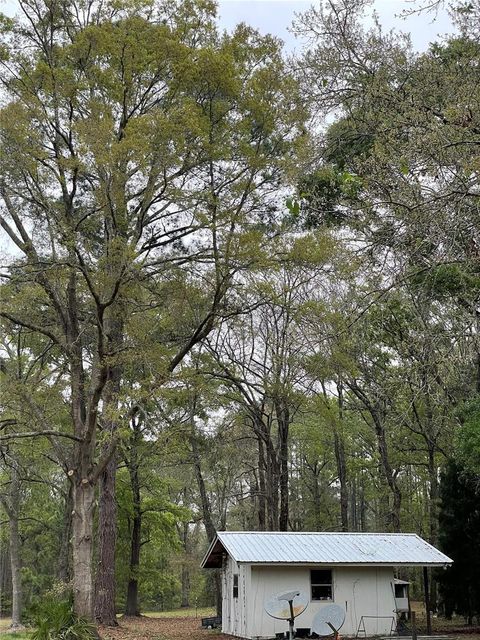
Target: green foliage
x,y
460,539
324,195
54,619
343,144
468,437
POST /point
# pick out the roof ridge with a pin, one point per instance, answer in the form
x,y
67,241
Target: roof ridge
x,y
316,533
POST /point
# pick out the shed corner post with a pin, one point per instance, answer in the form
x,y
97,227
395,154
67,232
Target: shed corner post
x,y
427,600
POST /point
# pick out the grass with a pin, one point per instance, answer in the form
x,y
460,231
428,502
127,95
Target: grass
x,y
191,612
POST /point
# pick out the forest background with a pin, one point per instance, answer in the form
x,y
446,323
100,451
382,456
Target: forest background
x,y
241,291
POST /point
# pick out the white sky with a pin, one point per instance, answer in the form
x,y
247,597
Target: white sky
x,y
275,16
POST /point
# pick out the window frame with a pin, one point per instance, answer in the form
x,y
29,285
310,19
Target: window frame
x,y
322,584
235,586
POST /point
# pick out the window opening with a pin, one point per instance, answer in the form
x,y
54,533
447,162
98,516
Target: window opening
x,y
321,584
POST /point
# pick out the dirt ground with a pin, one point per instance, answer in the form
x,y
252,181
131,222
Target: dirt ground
x,y
146,628
188,628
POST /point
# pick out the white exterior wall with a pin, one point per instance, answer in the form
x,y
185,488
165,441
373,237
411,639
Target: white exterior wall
x,y
234,610
361,591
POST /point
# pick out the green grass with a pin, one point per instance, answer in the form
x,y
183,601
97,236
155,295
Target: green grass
x,y
201,612
17,635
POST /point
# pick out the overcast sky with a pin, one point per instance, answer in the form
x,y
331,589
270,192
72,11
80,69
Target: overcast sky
x,y
275,16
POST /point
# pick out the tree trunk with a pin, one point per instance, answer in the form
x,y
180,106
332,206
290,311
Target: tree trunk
x,y
132,607
16,573
341,464
107,534
105,612
261,484
433,506
363,508
377,413
185,601
271,483
64,558
83,506
283,420
206,511
15,563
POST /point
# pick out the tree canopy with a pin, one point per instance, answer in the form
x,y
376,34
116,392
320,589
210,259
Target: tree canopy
x,y
238,291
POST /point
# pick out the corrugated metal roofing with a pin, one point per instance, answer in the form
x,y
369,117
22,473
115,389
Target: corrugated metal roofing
x,y
393,549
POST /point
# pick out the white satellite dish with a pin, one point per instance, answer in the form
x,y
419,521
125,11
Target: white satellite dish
x,y
287,605
328,620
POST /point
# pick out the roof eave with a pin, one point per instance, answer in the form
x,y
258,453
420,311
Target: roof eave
x,y
334,563
206,564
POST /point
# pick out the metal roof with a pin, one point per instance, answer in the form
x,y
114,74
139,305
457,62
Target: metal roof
x,y
390,549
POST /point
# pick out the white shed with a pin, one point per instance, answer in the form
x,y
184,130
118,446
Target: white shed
x,y
354,570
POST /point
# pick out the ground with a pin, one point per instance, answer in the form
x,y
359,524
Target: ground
x,y
161,628
183,625
186,625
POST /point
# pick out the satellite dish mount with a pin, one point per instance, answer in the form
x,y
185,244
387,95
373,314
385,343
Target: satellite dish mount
x,y
287,606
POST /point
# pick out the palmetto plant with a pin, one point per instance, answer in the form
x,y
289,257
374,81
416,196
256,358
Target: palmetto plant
x,y
56,620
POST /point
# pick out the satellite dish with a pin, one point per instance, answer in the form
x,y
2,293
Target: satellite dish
x,y
328,620
278,606
287,605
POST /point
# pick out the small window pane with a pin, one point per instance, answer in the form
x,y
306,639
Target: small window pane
x,y
321,576
400,591
235,585
321,592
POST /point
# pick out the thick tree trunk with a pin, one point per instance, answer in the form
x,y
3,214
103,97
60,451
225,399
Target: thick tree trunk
x,y
107,534
83,506
64,559
105,612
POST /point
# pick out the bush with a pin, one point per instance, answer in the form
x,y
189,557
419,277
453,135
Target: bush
x,y
56,620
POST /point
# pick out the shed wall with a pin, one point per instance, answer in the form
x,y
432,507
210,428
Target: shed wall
x,y
361,591
234,610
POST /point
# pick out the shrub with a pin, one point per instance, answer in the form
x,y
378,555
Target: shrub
x,y
56,620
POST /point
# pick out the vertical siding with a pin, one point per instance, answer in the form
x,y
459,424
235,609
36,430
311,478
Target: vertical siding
x,y
234,610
